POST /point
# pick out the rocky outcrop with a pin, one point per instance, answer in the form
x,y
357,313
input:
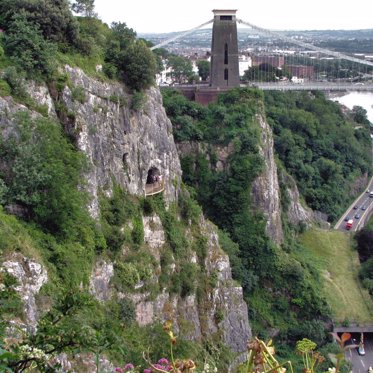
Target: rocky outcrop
x,y
121,144
100,280
297,212
265,191
30,276
222,312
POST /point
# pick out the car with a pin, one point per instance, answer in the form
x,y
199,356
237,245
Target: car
x,y
361,350
357,216
356,207
363,207
347,218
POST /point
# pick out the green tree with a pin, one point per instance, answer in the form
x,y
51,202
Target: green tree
x,y
52,17
27,47
138,66
43,174
181,69
85,7
203,69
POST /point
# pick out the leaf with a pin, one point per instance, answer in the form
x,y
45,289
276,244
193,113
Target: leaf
x,y
345,337
333,358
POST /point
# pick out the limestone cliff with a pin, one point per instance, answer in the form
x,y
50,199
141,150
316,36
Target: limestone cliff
x,y
122,145
266,192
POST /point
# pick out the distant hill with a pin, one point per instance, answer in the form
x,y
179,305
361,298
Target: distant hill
x,y
360,40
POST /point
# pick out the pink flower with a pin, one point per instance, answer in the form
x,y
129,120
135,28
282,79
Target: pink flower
x,y
128,367
119,370
163,361
147,370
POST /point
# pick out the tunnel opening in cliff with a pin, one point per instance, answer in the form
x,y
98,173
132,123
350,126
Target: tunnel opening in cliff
x,y
153,175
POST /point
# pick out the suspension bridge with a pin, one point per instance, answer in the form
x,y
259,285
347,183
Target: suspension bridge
x,y
303,66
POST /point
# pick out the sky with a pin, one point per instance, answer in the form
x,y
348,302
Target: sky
x,y
175,15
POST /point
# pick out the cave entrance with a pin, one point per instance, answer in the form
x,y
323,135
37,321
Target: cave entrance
x,y
154,182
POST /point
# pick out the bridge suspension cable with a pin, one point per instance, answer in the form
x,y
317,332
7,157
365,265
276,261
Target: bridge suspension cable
x,y
305,45
180,35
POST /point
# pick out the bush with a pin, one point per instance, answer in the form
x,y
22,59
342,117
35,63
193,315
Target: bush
x,y
26,46
43,175
138,101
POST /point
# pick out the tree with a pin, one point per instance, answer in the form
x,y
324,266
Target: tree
x,y
27,47
364,240
85,7
41,171
203,69
52,17
138,66
181,67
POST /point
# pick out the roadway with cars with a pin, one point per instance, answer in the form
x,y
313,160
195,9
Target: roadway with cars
x,y
362,207
361,364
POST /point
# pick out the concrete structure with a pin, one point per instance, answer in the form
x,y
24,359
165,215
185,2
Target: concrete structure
x,y
224,50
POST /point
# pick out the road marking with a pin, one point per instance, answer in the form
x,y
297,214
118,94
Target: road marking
x,y
362,363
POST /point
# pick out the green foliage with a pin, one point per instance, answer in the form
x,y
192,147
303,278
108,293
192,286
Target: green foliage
x,y
203,69
10,302
85,7
28,49
138,101
138,66
52,17
366,273
364,239
116,213
181,69
78,94
43,173
318,147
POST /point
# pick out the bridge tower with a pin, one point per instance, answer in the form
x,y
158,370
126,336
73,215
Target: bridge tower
x,y
224,50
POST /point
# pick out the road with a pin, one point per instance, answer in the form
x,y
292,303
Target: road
x,y
361,364
363,206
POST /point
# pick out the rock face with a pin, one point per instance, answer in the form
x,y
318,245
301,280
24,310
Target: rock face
x,y
296,212
100,280
120,143
31,276
122,146
223,311
265,192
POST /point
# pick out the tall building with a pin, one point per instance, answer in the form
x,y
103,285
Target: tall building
x,y
224,50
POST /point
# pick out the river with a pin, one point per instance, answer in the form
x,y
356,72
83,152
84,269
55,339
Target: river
x,y
363,99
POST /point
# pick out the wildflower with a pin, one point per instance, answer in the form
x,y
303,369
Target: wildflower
x,y
147,370
331,370
163,361
118,370
128,367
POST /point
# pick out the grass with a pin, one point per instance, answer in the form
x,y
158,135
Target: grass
x,y
332,254
86,63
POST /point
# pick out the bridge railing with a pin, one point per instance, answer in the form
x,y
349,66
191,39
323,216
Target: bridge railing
x,y
154,188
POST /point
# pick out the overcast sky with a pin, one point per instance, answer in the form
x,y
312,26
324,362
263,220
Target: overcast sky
x,y
176,15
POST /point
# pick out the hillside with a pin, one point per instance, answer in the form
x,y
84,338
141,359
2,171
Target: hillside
x,y
337,262
135,221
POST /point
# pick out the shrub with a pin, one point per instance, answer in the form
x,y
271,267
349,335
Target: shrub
x,y
138,101
26,46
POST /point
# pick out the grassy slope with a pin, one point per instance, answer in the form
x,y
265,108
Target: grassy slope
x,y
333,255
